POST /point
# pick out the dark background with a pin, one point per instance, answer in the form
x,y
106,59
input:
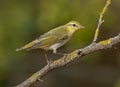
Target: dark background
x,y
21,21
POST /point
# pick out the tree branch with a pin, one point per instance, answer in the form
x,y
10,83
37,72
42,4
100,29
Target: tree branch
x,y
69,58
101,20
105,44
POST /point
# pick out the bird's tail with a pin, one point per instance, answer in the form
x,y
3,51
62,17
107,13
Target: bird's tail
x,y
27,46
19,49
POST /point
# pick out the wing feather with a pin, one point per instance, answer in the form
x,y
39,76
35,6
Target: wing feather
x,y
44,42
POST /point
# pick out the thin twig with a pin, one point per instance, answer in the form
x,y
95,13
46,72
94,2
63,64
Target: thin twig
x,y
101,20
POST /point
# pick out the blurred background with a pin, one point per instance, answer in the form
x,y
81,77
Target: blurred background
x,y
21,21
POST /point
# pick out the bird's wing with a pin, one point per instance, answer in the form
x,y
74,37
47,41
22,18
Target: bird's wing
x,y
44,42
61,35
62,38
48,39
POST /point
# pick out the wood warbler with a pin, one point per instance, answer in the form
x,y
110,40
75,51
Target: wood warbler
x,y
54,38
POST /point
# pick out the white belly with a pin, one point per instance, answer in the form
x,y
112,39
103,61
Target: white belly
x,y
57,45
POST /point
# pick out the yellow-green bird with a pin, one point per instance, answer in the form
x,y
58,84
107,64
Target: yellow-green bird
x,y
55,38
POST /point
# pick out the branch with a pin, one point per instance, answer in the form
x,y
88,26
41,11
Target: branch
x,y
101,20
69,58
105,44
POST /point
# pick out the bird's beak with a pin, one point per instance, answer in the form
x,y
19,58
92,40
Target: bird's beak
x,y
82,26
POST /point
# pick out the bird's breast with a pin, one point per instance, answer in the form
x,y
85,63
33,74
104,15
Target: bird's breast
x,y
58,45
55,46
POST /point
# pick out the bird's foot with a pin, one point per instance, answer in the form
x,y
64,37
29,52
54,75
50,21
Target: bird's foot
x,y
49,62
63,54
64,57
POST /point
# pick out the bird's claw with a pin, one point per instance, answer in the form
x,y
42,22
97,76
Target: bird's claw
x,y
64,57
49,63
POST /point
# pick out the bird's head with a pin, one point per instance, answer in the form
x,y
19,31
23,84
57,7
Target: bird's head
x,y
72,26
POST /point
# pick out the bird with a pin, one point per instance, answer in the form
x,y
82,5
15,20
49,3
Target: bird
x,y
54,38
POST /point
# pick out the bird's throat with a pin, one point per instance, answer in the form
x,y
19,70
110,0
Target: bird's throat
x,y
71,31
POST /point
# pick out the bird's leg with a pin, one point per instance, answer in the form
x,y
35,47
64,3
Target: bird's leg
x,y
55,52
47,60
63,54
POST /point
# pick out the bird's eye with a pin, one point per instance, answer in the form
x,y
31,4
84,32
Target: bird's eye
x,y
74,25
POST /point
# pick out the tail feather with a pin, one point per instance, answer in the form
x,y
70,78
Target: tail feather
x,y
28,46
31,48
19,49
